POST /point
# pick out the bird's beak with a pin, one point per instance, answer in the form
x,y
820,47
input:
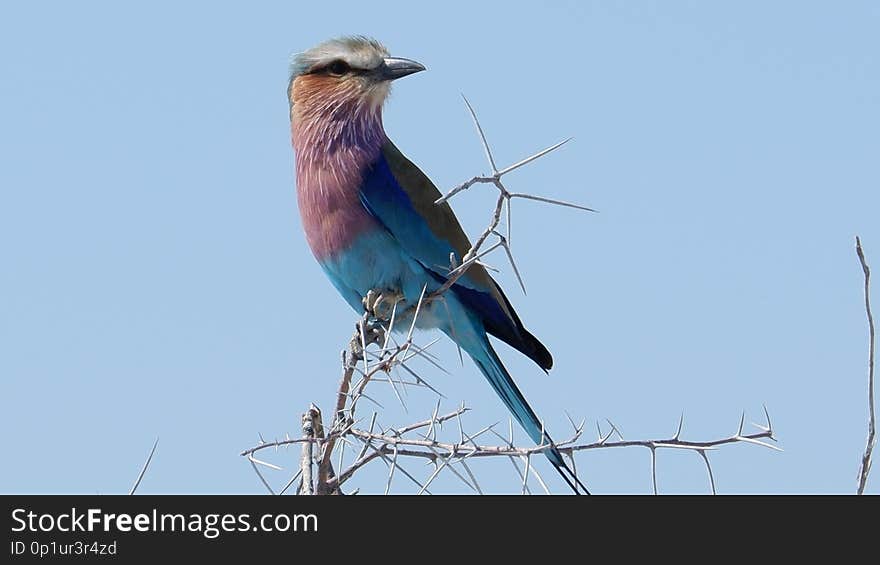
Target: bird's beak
x,y
394,68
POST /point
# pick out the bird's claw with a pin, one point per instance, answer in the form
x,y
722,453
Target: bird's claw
x,y
381,304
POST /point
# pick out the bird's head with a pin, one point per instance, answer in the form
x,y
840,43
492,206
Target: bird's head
x,y
345,74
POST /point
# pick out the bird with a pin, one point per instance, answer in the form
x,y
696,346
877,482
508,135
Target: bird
x,y
371,219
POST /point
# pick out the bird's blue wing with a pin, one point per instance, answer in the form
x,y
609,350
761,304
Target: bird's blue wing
x,y
402,198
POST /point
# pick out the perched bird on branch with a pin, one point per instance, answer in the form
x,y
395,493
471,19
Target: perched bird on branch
x,y
371,220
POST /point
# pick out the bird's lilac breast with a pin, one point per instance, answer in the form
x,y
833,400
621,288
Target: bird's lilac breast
x,y
328,179
332,214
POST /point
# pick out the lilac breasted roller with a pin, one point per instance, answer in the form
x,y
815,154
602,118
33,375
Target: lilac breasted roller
x,y
371,221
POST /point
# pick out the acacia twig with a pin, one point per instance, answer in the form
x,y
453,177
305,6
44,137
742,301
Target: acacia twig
x,y
475,253
310,427
463,448
349,363
140,476
865,466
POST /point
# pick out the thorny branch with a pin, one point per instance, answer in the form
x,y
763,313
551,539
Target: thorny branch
x,y
865,466
504,200
349,364
146,466
311,428
363,363
420,440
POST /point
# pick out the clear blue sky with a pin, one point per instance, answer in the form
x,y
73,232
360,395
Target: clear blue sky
x,y
154,280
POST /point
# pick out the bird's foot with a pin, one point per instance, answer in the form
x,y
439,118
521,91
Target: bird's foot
x,y
382,304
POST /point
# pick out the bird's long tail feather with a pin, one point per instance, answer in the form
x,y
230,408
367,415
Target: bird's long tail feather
x,y
490,365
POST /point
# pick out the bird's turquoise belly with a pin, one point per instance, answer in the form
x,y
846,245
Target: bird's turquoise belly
x,y
375,261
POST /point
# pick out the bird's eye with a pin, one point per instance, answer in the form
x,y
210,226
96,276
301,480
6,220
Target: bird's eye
x,y
338,68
